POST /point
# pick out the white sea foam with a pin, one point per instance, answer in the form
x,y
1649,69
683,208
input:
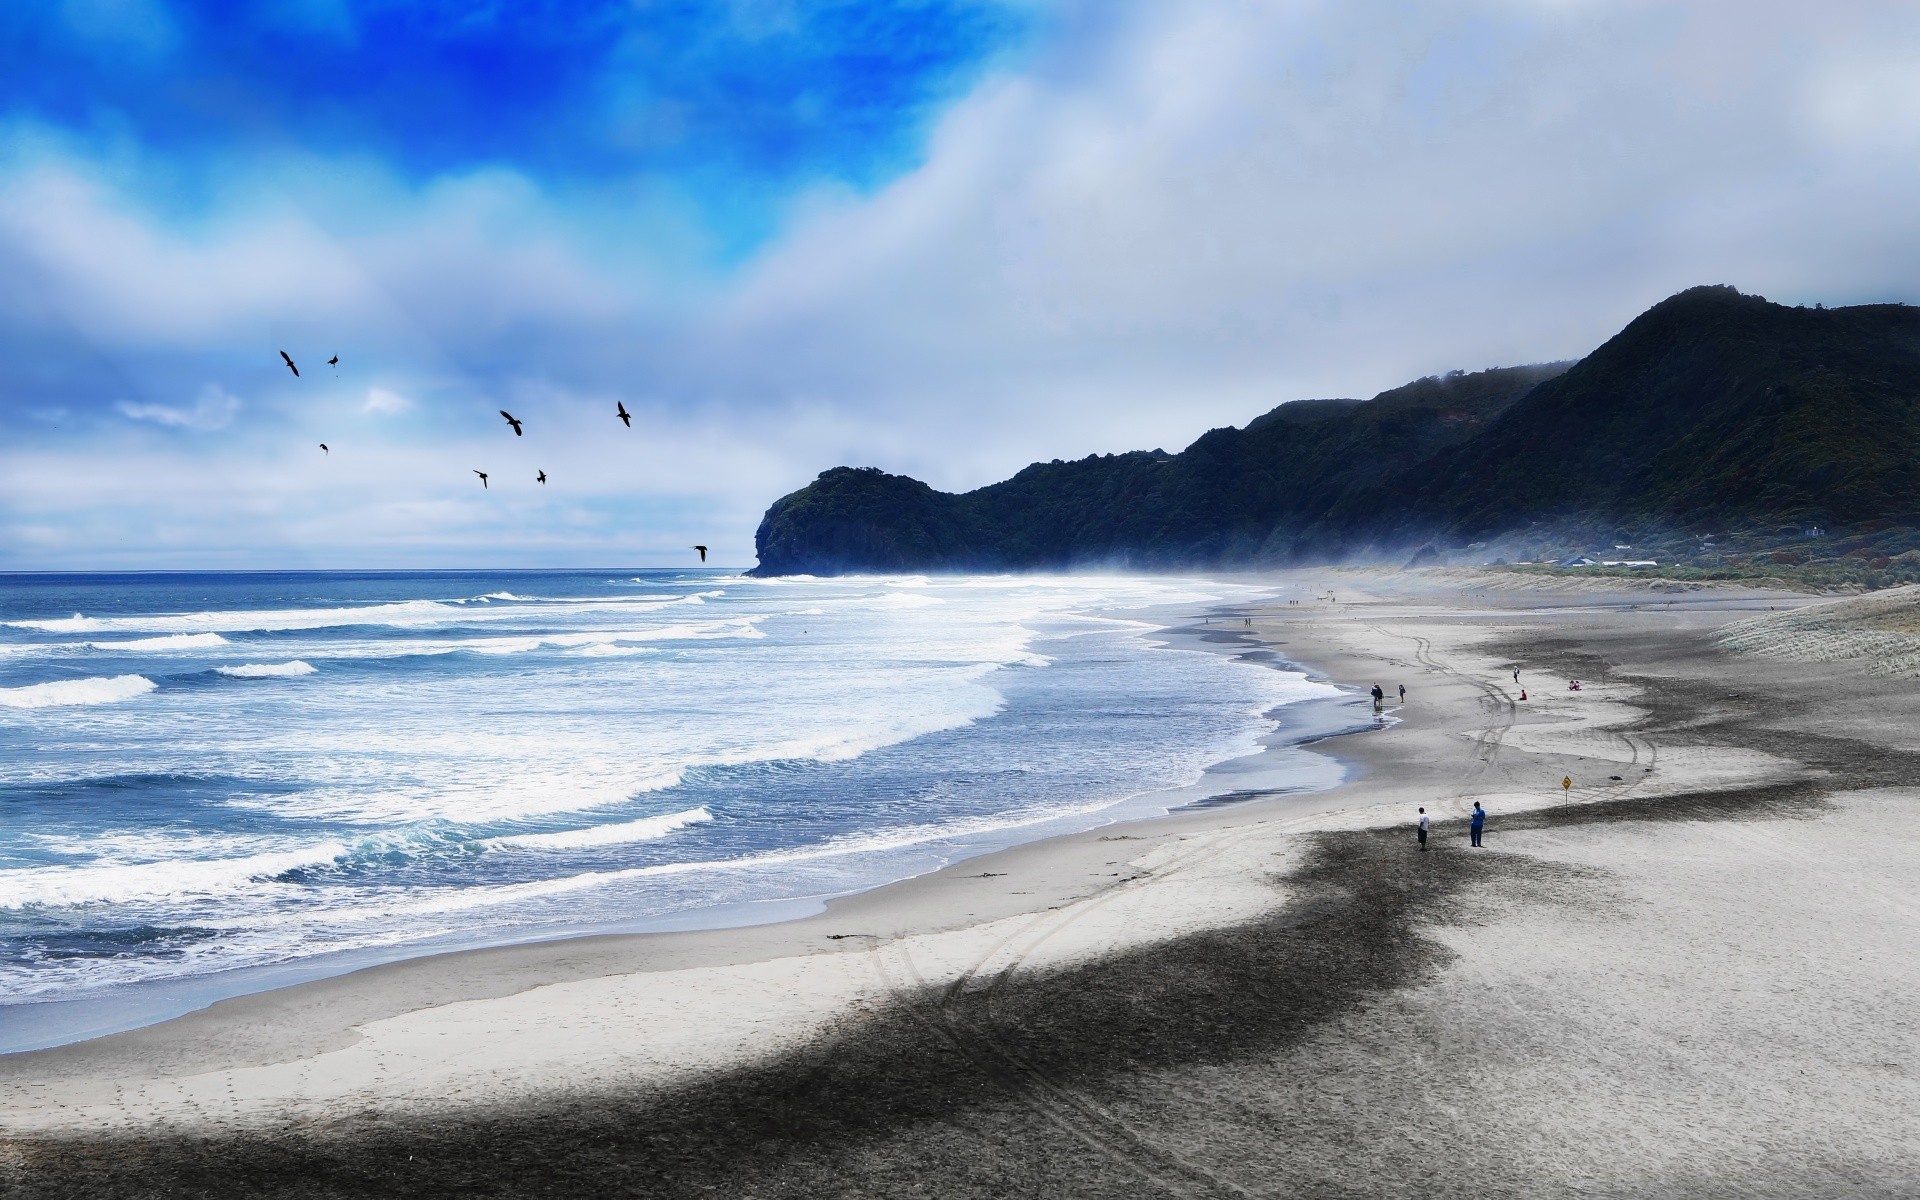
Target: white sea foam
x,y
540,791
587,640
748,627
268,670
65,692
133,846
702,631
875,731
53,886
171,641
882,841
515,598
402,614
416,767
405,612
611,650
564,768
649,600
646,829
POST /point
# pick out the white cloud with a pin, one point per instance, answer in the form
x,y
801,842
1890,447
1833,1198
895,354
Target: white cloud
x,y
1872,99
1177,217
1222,207
380,400
614,496
213,409
329,252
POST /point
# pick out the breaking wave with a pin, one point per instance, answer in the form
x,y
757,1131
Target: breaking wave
x,y
646,829
267,670
64,692
474,764
171,641
53,886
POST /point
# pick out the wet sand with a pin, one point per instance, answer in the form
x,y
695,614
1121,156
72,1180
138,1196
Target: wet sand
x,y
1692,974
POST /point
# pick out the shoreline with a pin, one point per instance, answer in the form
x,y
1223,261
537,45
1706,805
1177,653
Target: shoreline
x,y
1690,974
315,1015
162,1002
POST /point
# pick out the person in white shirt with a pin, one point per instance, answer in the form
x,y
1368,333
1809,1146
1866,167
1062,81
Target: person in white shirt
x,y
1423,828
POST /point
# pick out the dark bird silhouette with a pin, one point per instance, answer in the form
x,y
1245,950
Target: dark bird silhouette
x,y
334,361
483,478
620,410
288,359
540,478
513,421
703,552
323,448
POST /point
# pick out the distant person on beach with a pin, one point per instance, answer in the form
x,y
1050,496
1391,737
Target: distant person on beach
x,y
1516,674
1479,821
1423,828
1403,693
1379,697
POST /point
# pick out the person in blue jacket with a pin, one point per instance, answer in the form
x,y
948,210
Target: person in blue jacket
x,y
1479,820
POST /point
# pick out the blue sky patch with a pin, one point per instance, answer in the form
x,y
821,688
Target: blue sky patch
x,y
736,105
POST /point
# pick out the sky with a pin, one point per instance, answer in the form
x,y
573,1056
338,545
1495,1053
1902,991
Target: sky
x,y
941,237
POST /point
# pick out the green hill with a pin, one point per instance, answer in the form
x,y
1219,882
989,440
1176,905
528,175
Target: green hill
x,y
1712,409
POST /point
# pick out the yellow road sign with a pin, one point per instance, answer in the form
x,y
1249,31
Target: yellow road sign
x,y
1566,782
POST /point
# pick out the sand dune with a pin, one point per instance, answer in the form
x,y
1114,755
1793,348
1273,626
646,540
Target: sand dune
x,y
1879,631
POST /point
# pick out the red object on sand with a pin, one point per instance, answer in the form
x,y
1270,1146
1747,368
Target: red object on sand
x,y
1523,693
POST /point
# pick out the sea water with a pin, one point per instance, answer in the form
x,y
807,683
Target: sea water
x,y
211,783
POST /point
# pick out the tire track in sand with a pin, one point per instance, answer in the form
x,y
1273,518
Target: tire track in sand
x,y
1504,711
1499,708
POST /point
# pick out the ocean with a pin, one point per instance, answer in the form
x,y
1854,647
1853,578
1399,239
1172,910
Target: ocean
x,y
215,783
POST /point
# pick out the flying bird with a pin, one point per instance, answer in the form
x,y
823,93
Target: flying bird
x,y
323,448
703,552
513,421
540,478
483,478
286,358
620,410
334,361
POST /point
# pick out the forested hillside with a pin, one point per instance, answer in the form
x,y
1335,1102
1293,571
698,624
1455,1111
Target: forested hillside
x,y
1712,410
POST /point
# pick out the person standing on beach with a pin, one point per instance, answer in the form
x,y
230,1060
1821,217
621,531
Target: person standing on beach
x,y
1479,820
1403,693
1423,829
1379,697
1516,674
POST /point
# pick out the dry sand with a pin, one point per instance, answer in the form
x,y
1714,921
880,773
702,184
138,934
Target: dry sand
x,y
1692,975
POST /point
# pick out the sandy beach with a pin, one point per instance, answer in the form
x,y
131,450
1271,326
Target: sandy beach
x,y
1690,973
